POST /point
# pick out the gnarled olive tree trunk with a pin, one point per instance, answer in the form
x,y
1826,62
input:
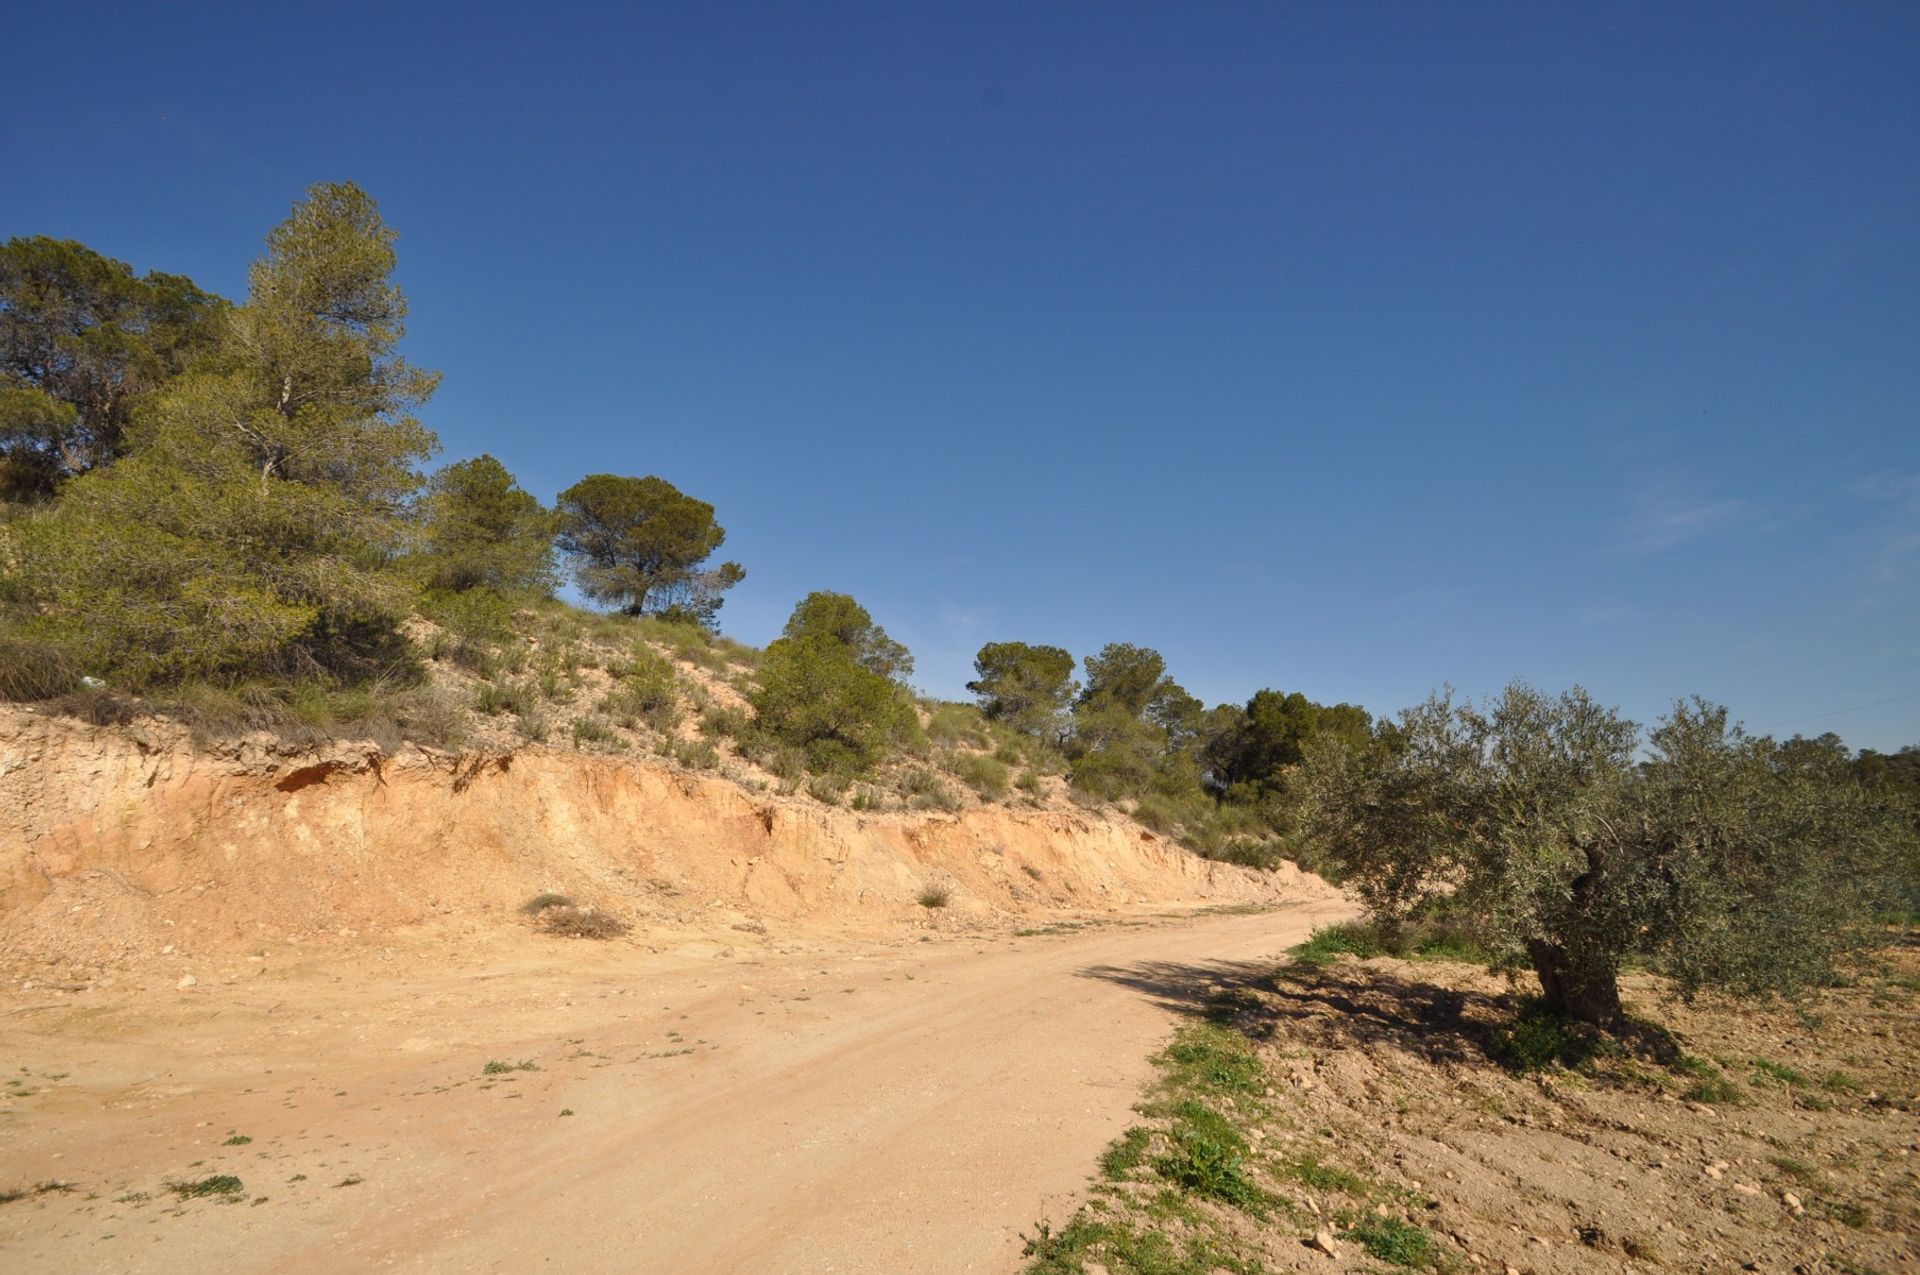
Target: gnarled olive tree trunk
x,y
1584,986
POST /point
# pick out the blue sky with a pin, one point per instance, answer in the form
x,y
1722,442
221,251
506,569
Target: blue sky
x,y
1350,349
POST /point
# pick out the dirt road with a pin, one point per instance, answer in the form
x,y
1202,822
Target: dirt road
x,y
883,1107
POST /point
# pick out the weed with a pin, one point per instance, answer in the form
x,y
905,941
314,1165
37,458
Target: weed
x,y
495,1067
935,896
581,923
1537,1038
1765,1072
237,1140
1308,1171
1805,1174
1208,1157
38,1188
566,1111
1126,1153
1712,1086
1841,1082
1391,1240
219,1184
1212,1058
541,902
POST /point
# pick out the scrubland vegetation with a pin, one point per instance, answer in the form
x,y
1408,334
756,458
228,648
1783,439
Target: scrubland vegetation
x,y
219,511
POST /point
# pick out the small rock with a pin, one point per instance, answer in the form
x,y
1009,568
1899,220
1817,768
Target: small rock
x,y
1746,1189
1095,1268
1789,1199
167,950
1323,1240
186,981
1713,1171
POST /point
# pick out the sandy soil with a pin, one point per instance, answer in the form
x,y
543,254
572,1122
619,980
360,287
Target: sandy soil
x,y
803,1105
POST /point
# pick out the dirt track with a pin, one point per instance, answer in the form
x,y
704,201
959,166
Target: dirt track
x,y
897,1107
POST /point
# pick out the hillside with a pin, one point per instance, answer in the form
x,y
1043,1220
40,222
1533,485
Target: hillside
x,y
136,847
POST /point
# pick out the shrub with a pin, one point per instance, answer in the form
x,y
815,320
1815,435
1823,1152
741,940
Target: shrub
x,y
953,724
717,722
925,790
984,775
541,902
1028,783
32,670
815,696
494,698
592,729
935,896
695,754
581,923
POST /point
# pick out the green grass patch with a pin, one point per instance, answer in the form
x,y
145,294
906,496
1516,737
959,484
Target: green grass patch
x,y
1126,1153
1710,1085
1214,1059
1125,1248
1765,1072
1308,1171
1388,1239
495,1067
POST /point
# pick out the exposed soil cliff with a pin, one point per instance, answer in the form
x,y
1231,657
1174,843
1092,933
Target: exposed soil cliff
x,y
120,842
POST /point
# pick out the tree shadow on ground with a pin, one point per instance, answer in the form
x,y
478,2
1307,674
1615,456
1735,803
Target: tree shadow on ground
x,y
1326,1008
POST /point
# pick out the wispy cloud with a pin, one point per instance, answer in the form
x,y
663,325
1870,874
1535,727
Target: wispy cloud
x,y
1664,518
1897,538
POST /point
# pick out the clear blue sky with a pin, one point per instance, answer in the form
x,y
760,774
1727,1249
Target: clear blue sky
x,y
1350,349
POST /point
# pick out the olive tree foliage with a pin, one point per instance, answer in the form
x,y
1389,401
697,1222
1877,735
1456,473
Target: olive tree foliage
x,y
829,686
640,544
1029,688
479,529
1735,863
845,621
81,339
253,522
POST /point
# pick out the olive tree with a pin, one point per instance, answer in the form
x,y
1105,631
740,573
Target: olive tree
x,y
1736,864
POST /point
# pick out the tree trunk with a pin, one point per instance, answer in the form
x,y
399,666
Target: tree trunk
x,y
1585,987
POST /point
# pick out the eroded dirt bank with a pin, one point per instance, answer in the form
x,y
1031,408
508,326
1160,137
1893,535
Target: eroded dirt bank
x,y
133,849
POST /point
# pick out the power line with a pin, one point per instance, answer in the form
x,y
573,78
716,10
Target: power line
x,y
1857,708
